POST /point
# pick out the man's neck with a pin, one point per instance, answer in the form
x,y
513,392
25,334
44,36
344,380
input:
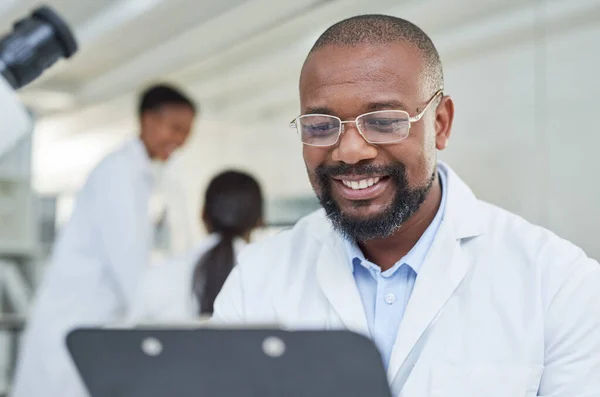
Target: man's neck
x,y
387,251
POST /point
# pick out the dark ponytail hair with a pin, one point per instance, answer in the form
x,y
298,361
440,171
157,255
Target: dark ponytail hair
x,y
233,206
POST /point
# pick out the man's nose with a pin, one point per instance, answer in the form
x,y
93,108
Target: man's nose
x,y
352,148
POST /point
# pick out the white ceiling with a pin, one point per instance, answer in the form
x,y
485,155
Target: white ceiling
x,y
239,58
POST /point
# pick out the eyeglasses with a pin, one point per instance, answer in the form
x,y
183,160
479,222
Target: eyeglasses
x,y
380,127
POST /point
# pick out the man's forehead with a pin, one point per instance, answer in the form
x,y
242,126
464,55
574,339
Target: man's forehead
x,y
174,110
383,73
396,63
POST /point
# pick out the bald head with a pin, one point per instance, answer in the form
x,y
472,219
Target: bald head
x,y
384,29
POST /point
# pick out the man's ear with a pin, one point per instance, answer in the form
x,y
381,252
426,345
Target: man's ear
x,y
444,116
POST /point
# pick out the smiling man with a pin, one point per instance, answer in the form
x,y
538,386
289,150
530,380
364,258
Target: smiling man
x,y
461,297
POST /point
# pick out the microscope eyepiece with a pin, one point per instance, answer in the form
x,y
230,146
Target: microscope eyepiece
x,y
36,43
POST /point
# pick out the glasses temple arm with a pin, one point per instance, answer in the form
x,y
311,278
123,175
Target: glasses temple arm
x,y
422,112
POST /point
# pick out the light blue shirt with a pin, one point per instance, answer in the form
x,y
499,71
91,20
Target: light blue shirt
x,y
385,295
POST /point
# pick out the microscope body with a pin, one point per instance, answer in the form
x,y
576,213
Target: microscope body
x,y
15,121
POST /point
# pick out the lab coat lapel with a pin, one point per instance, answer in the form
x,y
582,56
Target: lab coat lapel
x,y
443,270
336,280
445,267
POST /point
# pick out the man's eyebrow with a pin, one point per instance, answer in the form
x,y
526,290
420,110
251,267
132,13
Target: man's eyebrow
x,y
371,107
319,110
387,105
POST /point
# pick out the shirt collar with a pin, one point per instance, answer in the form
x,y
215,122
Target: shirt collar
x,y
416,256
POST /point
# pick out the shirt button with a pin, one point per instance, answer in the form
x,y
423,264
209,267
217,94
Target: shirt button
x,y
390,299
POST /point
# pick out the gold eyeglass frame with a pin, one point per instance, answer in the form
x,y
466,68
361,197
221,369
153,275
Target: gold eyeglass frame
x,y
411,119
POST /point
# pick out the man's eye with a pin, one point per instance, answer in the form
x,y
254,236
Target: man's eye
x,y
321,128
385,124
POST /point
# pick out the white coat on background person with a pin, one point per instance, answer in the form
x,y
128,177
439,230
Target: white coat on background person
x,y
101,252
182,289
462,299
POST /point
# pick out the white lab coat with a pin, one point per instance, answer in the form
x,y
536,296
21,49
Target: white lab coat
x,y
501,308
165,292
93,275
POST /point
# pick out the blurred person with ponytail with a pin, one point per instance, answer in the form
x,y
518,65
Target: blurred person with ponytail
x,y
185,288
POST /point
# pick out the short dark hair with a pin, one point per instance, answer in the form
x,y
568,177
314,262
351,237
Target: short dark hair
x,y
385,29
156,96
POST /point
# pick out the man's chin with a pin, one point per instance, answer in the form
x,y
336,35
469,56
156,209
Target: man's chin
x,y
362,228
363,210
359,220
163,157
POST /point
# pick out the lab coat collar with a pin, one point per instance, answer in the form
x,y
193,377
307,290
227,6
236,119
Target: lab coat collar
x,y
462,207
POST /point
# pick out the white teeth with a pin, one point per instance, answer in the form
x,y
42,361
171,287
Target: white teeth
x,y
362,184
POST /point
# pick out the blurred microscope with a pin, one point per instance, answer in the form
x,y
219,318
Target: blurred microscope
x,y
36,42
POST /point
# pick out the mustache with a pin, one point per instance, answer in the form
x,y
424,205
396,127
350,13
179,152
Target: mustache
x,y
328,171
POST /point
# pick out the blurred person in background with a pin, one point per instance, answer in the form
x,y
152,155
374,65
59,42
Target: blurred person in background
x,y
184,289
103,250
462,298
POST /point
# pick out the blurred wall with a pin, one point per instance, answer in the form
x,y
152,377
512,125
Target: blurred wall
x,y
525,137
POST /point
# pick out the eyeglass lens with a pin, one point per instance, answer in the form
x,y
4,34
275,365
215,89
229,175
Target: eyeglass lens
x,y
377,127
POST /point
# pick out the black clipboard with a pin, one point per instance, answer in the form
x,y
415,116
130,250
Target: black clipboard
x,y
232,362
